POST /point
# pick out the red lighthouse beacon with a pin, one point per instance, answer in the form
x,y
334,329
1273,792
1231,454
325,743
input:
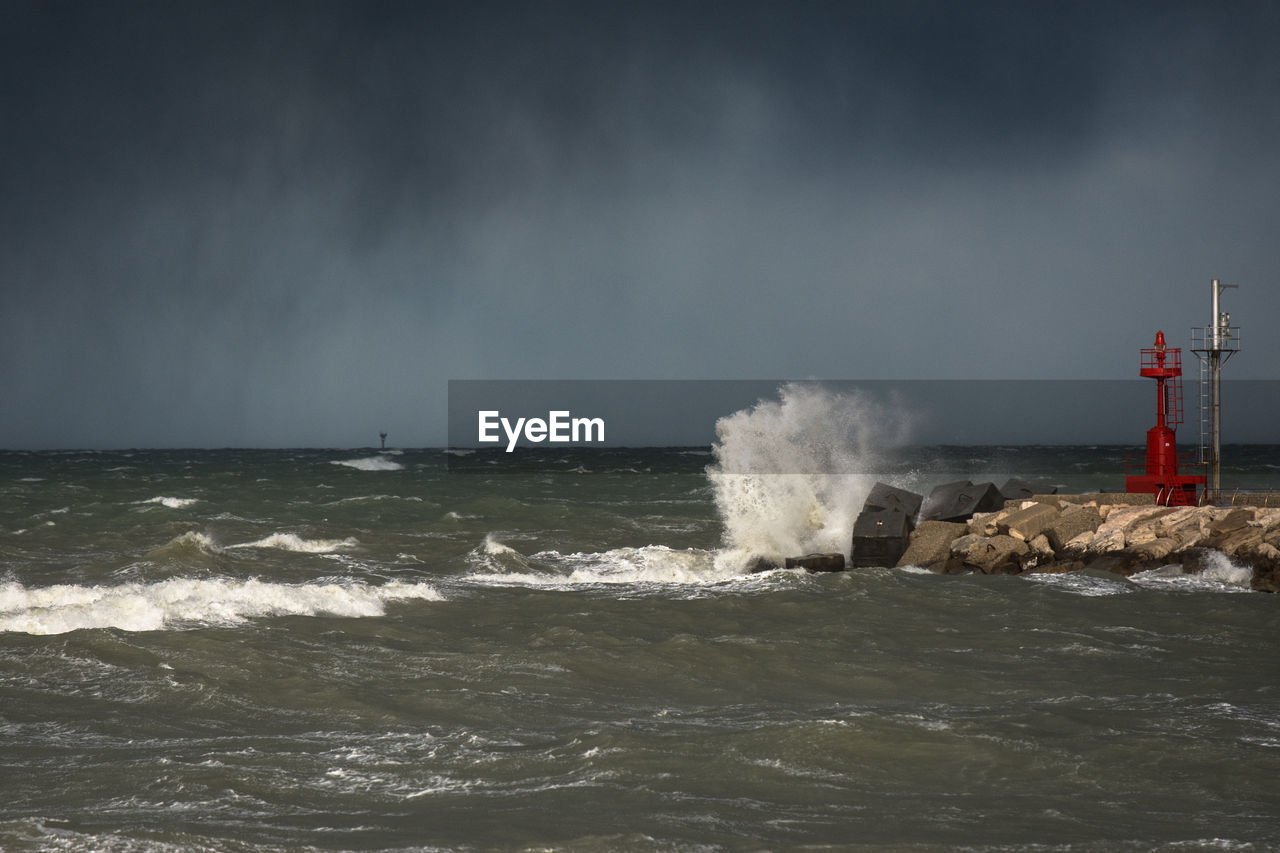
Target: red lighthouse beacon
x,y
1160,475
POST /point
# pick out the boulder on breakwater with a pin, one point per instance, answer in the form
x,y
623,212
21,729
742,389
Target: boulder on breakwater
x,y
1120,533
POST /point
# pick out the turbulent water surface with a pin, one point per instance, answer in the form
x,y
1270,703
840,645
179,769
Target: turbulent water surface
x,y
241,650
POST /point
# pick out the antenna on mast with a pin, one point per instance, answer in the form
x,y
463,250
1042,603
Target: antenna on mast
x,y
1214,345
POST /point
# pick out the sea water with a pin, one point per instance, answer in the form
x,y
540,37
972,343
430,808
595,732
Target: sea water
x,y
368,650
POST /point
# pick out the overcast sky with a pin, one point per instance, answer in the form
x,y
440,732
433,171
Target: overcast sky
x,y
290,224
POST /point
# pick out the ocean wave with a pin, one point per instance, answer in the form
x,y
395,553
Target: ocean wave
x,y
171,503
191,541
374,498
786,476
370,463
186,603
1081,583
294,542
1220,575
644,566
493,547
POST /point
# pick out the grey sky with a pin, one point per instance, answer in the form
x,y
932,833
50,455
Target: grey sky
x,y
291,223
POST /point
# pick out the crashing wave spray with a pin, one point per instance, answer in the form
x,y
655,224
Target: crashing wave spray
x,y
791,475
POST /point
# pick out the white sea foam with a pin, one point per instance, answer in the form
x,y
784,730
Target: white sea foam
x,y
493,547
649,564
192,539
370,463
640,567
790,475
184,603
1080,583
294,542
1220,574
172,503
373,499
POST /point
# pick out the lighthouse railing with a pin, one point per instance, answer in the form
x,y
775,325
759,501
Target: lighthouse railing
x,y
1189,464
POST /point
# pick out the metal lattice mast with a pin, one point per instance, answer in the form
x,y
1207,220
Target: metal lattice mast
x,y
1214,345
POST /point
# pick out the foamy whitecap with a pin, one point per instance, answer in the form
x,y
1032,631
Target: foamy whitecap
x,y
1220,574
493,547
1080,583
294,542
184,603
193,539
171,503
370,463
648,565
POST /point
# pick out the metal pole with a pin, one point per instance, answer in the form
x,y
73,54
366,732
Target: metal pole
x,y
1215,397
1215,450
1220,335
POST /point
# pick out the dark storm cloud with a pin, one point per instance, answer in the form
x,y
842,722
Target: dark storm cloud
x,y
292,222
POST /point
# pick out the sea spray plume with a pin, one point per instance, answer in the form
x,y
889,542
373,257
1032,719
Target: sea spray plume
x,y
790,475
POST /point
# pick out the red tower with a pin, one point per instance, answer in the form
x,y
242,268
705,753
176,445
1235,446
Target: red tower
x,y
1159,468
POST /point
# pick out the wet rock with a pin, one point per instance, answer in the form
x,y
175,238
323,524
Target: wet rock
x,y
1196,560
1057,567
999,554
931,543
1266,569
1122,563
762,564
953,566
817,562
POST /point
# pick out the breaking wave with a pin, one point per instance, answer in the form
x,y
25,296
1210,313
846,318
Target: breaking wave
x,y
791,474
171,503
647,566
185,603
294,542
190,543
370,463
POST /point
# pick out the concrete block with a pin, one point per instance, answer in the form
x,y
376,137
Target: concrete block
x,y
1029,522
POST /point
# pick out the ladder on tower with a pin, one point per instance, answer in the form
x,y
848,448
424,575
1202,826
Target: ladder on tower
x,y
1199,347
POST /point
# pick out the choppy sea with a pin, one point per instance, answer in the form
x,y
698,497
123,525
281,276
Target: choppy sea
x,y
366,650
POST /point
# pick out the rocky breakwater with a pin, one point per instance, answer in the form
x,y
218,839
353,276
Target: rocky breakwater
x,y
1063,533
